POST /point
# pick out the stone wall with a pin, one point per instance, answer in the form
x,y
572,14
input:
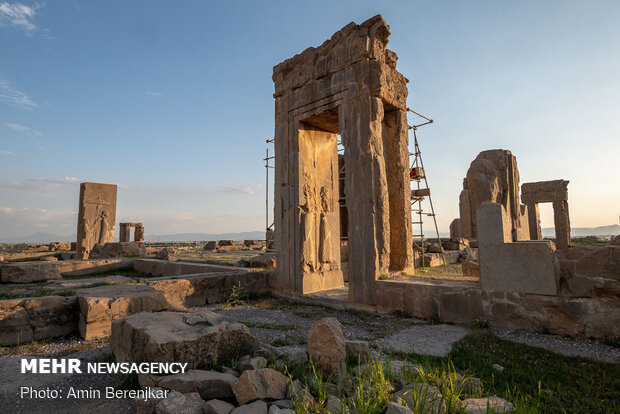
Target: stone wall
x,y
25,320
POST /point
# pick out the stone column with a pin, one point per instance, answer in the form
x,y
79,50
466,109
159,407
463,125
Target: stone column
x,y
561,221
124,232
138,233
367,195
534,221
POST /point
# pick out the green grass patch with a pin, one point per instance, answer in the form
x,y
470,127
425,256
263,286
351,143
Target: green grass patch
x,y
534,379
35,293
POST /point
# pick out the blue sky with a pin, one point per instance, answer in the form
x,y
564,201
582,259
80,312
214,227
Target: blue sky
x,y
173,102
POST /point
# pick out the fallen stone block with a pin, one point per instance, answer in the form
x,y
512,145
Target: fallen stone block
x,y
99,306
257,407
394,408
326,346
218,407
29,272
167,253
266,261
209,384
482,405
203,339
471,268
211,245
177,403
358,350
265,383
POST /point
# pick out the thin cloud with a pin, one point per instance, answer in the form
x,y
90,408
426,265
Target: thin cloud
x,y
42,184
24,129
154,93
15,97
239,189
6,153
18,15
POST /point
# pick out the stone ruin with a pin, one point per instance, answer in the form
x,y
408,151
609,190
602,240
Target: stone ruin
x,y
347,89
96,216
494,177
125,232
555,192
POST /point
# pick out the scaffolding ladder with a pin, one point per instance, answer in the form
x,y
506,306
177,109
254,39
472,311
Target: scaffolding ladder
x,y
269,228
422,191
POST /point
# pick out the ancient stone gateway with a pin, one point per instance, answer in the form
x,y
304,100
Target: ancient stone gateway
x,y
555,192
96,216
125,232
349,88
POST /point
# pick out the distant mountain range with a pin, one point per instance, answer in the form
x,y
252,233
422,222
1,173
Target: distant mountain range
x,y
48,238
612,230
258,235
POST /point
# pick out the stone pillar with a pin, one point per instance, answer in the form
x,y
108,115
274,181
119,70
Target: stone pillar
x,y
465,213
455,228
138,232
124,232
534,221
561,222
96,216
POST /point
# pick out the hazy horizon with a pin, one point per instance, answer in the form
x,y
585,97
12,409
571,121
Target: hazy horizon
x,y
173,102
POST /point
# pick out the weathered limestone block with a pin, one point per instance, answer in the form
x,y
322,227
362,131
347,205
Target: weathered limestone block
x,y
257,407
200,290
96,216
326,346
54,246
265,383
99,306
124,249
211,245
493,176
588,317
24,320
167,253
395,408
267,260
202,339
209,384
29,272
358,350
589,271
471,268
177,403
526,267
482,405
218,407
458,302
